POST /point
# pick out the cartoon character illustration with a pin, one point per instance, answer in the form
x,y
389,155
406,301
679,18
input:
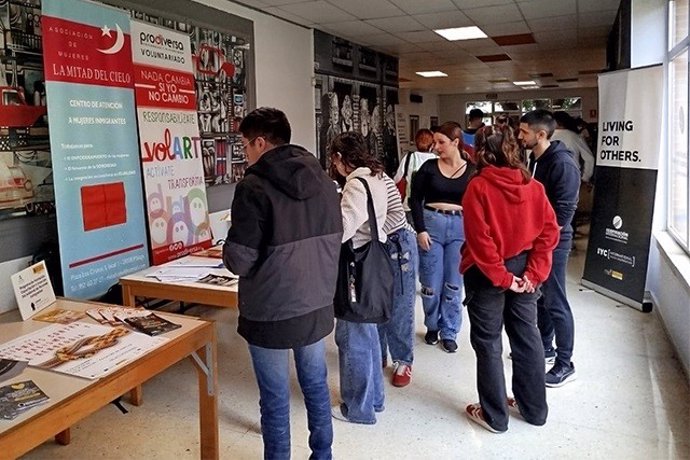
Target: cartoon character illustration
x,y
180,227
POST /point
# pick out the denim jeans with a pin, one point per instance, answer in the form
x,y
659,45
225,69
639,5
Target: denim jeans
x,y
397,335
439,273
273,377
489,308
361,378
555,316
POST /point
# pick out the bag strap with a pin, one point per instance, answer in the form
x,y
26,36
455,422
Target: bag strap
x,y
407,164
373,227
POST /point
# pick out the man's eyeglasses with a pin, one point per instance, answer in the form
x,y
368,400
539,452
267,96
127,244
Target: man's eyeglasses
x,y
244,146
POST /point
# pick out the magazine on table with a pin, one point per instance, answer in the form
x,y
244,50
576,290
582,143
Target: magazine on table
x,y
19,397
151,324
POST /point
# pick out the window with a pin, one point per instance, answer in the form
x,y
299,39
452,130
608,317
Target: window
x,y
678,177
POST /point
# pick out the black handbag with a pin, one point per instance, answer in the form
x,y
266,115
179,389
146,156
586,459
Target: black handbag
x,y
364,291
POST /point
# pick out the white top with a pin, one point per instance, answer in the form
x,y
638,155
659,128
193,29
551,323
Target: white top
x,y
353,206
580,149
416,162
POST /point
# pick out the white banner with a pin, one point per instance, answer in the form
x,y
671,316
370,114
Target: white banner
x,y
630,125
170,142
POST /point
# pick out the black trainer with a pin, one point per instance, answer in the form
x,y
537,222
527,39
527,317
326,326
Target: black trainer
x,y
431,337
560,374
449,346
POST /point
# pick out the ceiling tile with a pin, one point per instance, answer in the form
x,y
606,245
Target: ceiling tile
x,y
254,3
275,11
511,40
368,9
555,23
351,28
494,57
318,12
381,40
589,32
506,28
426,6
422,36
277,2
599,18
488,15
397,24
444,20
479,43
562,36
547,8
463,4
586,6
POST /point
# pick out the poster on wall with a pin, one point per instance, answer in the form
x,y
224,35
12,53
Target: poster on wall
x,y
170,145
26,181
219,67
96,168
630,107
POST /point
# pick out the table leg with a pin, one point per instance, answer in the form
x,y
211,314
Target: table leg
x,y
136,394
64,437
207,370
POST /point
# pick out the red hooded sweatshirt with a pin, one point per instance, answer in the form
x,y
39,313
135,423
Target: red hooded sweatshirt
x,y
505,214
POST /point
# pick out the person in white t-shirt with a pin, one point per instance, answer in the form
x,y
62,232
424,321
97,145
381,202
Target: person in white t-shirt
x,y
566,133
424,141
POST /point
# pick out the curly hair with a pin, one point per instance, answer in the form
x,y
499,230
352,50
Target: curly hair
x,y
496,145
354,152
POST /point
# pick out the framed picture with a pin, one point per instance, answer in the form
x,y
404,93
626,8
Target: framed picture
x,y
414,125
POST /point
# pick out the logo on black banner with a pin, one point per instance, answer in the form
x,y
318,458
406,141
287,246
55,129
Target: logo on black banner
x,y
615,233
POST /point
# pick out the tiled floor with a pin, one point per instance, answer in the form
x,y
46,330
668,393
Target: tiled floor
x,y
630,401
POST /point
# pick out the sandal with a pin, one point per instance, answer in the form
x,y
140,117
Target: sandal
x,y
475,413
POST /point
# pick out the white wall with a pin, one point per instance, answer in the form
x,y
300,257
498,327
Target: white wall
x,y
452,106
427,109
668,280
284,63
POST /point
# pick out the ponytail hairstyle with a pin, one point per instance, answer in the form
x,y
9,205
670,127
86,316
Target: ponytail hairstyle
x,y
496,145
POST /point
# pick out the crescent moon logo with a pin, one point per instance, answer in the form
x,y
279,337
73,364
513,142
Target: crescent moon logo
x,y
119,43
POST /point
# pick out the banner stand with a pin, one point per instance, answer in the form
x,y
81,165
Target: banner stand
x,y
645,306
630,128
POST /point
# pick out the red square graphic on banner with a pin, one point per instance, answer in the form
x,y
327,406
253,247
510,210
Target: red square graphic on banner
x,y
103,205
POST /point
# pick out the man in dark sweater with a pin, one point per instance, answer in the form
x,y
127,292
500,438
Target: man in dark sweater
x,y
284,244
552,164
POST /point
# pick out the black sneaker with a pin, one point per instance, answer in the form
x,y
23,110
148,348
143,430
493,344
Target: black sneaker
x,y
559,375
449,346
431,337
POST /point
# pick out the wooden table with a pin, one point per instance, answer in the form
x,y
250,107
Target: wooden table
x,y
73,398
139,285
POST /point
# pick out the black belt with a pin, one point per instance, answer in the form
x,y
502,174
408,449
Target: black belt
x,y
444,211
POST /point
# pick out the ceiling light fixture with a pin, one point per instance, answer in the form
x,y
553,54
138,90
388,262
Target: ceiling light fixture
x,y
461,33
431,74
525,83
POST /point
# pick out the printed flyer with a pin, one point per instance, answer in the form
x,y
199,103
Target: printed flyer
x,y
171,151
93,137
82,349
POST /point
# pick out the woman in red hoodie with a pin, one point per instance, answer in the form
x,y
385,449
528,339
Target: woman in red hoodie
x,y
510,231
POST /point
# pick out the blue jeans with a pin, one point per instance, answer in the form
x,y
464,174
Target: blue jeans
x,y
398,333
361,378
489,309
554,314
439,273
273,377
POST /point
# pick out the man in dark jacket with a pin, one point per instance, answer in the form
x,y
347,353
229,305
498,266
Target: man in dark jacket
x,y
284,244
552,164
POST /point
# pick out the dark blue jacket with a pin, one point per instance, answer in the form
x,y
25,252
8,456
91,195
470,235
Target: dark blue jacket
x,y
559,174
